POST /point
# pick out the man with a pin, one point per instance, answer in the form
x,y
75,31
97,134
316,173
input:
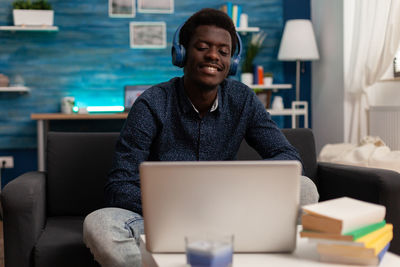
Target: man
x,y
201,116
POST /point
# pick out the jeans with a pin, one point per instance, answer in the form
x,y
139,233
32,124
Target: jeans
x,y
112,234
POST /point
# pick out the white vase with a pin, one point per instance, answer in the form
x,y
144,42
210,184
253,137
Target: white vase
x,y
247,78
33,17
268,80
277,104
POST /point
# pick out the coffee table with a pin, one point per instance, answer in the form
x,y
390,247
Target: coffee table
x,y
305,255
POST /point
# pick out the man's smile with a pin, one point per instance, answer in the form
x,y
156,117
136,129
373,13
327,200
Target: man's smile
x,y
210,68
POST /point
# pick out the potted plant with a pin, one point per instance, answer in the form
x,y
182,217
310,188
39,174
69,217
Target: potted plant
x,y
36,13
253,48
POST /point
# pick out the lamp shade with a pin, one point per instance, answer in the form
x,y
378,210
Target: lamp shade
x,y
298,41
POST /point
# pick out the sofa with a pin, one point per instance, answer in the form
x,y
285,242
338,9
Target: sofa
x,y
44,211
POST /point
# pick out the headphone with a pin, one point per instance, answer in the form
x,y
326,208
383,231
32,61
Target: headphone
x,y
179,53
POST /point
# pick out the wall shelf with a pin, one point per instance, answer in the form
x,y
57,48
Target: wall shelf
x,y
267,89
247,29
271,86
30,28
17,89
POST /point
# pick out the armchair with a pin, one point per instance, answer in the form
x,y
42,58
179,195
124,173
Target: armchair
x,y
44,211
335,180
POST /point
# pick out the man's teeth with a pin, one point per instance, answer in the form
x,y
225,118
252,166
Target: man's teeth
x,y
212,69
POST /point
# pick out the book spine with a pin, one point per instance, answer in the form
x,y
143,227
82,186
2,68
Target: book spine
x,y
384,250
382,243
239,13
229,8
224,9
372,237
255,74
234,15
366,230
260,73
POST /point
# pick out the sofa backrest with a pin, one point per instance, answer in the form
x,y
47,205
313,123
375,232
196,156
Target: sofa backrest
x,y
77,167
302,139
78,164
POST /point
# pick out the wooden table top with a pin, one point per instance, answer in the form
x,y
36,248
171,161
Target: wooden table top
x,y
74,116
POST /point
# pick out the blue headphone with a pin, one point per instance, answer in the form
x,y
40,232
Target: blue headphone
x,y
179,53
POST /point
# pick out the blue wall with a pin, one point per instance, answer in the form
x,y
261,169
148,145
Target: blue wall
x,y
90,58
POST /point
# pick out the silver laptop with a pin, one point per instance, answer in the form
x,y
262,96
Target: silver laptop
x,y
255,201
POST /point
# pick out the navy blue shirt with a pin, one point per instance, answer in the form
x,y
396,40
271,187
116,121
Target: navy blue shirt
x,y
163,126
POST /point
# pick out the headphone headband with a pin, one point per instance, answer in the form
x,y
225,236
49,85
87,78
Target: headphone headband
x,y
179,53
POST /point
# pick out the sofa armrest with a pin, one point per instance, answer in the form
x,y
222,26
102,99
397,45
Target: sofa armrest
x,y
368,184
23,201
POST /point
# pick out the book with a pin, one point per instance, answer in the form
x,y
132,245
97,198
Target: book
x,y
354,260
349,236
224,9
371,239
341,215
260,73
314,234
239,13
234,15
255,74
229,7
358,237
368,251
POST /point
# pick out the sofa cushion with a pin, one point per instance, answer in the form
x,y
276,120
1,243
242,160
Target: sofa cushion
x,y
60,244
77,167
302,139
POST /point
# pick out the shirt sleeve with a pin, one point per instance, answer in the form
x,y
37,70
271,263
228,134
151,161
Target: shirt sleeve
x,y
133,147
264,135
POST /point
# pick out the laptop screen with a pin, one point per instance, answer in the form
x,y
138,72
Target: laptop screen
x,y
131,93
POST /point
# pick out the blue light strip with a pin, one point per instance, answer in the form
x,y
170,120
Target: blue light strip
x,y
94,109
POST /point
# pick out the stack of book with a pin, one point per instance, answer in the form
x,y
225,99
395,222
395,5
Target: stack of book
x,y
233,11
258,74
347,230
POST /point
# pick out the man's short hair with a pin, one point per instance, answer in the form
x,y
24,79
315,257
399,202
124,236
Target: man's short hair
x,y
207,16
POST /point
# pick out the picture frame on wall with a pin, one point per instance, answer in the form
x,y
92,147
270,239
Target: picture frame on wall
x,y
150,35
122,8
156,6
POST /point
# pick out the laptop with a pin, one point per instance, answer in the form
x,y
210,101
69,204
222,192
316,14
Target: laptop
x,y
131,93
255,201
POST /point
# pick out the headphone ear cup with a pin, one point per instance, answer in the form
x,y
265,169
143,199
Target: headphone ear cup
x,y
178,55
234,65
178,51
236,58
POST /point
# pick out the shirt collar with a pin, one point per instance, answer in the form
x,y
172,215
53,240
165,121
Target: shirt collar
x,y
213,107
188,106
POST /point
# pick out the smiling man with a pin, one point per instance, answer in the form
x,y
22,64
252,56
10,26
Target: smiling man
x,y
207,65
200,116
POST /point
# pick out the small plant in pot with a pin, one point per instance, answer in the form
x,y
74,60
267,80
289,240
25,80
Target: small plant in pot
x,y
36,13
253,48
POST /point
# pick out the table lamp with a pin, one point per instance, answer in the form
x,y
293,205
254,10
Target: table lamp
x,y
298,44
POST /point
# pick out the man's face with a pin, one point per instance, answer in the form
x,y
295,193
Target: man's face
x,y
208,57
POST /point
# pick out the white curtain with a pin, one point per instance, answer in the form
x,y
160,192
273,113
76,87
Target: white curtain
x,y
372,29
